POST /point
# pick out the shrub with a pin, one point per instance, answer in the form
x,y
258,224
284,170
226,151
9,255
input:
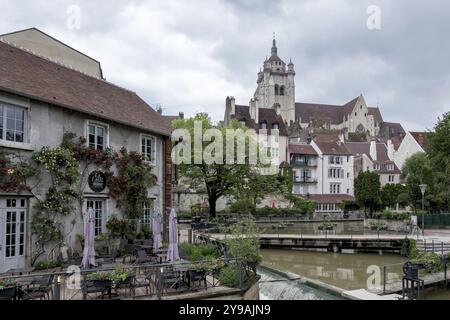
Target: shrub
x,y
267,211
44,265
229,276
119,228
430,260
377,225
197,252
391,215
242,206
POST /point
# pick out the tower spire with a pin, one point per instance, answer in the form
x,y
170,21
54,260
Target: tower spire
x,y
274,45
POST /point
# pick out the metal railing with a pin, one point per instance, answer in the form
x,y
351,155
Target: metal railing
x,y
436,246
154,281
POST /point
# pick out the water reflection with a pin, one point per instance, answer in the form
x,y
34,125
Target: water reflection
x,y
342,227
347,271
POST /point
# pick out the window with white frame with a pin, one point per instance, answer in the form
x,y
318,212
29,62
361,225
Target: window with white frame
x,y
390,167
97,136
335,188
391,178
376,166
336,173
147,215
148,148
12,123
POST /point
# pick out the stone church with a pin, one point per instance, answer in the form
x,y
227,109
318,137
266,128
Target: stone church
x,y
274,102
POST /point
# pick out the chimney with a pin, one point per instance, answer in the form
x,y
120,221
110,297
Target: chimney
x,y
181,115
231,103
373,149
276,107
254,110
390,150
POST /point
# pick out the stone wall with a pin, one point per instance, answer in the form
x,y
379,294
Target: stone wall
x,y
392,225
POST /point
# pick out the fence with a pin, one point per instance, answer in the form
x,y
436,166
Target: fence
x,y
438,220
147,281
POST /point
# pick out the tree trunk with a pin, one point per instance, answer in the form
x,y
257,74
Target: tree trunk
x,y
212,206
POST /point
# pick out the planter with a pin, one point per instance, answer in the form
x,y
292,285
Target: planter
x,y
7,293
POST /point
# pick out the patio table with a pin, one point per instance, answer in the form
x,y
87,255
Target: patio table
x,y
19,271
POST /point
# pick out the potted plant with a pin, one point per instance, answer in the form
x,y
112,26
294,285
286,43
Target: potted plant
x,y
120,276
8,289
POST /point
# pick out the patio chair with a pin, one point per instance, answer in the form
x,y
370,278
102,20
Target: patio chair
x,y
143,258
169,280
197,278
40,288
96,286
129,250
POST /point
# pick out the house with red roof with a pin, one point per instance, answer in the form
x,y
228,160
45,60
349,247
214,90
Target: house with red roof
x,y
46,89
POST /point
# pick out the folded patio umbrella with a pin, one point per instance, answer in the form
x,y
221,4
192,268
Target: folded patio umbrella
x,y
89,234
172,252
156,230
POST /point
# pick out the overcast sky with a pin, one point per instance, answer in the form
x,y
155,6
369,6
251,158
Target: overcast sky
x,y
189,55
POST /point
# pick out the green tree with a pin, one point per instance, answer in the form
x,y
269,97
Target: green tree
x,y
391,194
367,190
417,170
254,187
437,145
219,178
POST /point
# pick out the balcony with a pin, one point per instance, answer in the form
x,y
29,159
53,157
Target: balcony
x,y
304,179
303,163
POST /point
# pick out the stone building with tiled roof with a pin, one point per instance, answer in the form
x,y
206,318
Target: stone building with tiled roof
x,y
336,130
41,98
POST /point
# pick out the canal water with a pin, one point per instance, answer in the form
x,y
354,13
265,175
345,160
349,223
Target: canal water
x,y
275,286
346,271
343,270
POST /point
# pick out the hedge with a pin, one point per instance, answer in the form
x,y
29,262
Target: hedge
x,y
267,211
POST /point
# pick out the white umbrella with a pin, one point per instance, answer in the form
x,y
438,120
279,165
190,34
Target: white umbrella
x,y
89,234
156,230
172,252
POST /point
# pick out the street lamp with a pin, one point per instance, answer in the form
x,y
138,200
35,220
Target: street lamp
x,y
423,188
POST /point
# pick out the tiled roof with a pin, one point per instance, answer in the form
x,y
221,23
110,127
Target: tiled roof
x,y
375,112
420,137
329,198
334,113
393,131
333,148
302,149
265,114
27,75
357,137
359,148
326,137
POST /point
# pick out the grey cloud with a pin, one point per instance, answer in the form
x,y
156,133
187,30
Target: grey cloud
x,y
189,55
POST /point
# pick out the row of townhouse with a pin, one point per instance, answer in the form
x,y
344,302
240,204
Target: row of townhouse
x,y
40,100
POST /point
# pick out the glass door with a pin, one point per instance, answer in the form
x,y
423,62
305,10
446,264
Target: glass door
x,y
99,210
12,224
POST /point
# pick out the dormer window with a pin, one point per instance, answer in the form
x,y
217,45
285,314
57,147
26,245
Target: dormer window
x,y
275,126
390,167
376,166
263,125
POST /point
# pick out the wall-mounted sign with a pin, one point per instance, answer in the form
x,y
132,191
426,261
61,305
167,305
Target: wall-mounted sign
x,y
97,181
